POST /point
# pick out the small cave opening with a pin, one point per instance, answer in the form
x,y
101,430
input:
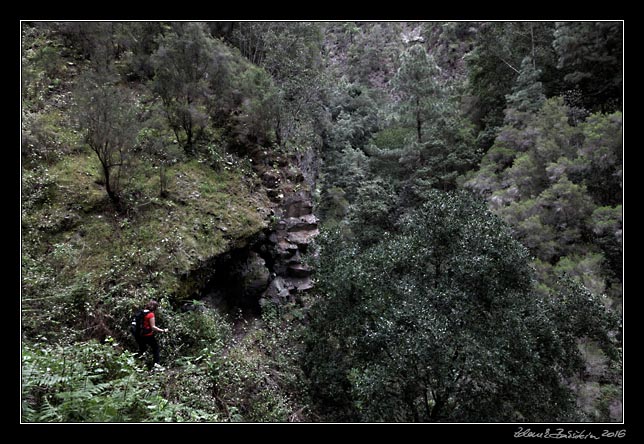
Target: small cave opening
x,y
268,267
238,280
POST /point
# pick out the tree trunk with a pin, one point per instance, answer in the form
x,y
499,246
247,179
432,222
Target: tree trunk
x,y
414,411
437,410
163,180
189,148
108,183
428,412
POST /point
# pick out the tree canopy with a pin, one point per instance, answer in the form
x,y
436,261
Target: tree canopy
x,y
444,324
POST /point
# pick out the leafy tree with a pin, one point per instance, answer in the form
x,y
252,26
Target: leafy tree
x,y
353,118
566,207
347,170
290,53
607,231
524,157
333,206
254,119
91,40
373,210
108,120
554,224
158,147
385,150
437,162
441,147
186,65
586,269
140,40
450,42
601,157
443,324
373,53
450,149
444,146
546,180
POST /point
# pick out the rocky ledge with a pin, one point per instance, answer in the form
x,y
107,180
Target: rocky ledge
x,y
290,240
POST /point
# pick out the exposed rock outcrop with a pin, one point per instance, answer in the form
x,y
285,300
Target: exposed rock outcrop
x,y
270,265
290,240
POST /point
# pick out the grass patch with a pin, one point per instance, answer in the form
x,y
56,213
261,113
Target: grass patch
x,y
152,242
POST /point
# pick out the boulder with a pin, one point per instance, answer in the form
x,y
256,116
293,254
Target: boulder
x,y
299,284
299,271
303,223
277,290
302,237
255,275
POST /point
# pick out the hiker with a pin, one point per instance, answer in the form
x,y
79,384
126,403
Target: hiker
x,y
148,329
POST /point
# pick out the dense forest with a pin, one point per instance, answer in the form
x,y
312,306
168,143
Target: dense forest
x,y
341,221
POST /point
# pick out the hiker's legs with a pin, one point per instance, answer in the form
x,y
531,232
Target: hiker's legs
x,y
143,342
142,345
155,349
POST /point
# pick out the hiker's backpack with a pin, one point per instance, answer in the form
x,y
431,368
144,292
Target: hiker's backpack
x,y
137,323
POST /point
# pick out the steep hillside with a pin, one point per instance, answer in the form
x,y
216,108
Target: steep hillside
x,y
176,202
192,228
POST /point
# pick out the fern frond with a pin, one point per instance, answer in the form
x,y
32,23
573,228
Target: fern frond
x,y
49,413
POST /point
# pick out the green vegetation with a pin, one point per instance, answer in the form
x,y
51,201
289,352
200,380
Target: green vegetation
x,y
445,324
117,208
467,177
215,378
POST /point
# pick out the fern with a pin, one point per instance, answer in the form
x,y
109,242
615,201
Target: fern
x,y
91,382
29,414
49,413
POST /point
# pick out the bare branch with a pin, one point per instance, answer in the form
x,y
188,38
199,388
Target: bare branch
x,y
512,67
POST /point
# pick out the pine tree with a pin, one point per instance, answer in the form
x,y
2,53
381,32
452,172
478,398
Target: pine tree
x,y
527,94
416,83
590,55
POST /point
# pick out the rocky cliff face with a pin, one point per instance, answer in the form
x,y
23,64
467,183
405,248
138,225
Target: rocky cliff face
x,y
270,266
289,241
288,186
